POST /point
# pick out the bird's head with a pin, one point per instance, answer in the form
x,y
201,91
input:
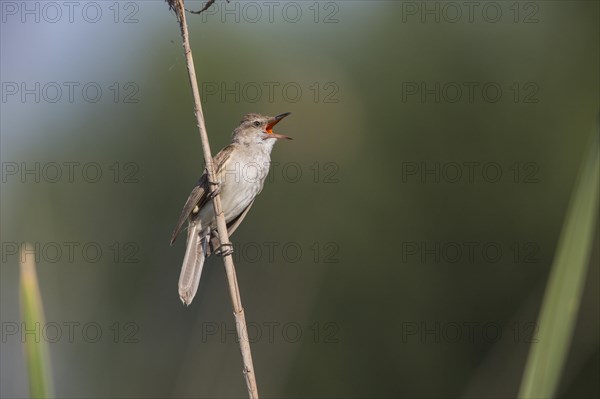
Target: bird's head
x,y
258,129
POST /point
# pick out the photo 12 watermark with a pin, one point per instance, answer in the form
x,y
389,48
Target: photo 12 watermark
x,y
89,332
71,252
71,12
69,92
469,172
326,92
28,172
470,12
472,332
469,92
288,252
289,172
469,252
253,12
272,332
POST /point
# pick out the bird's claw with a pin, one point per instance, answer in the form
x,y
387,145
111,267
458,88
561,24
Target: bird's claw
x,y
224,249
216,190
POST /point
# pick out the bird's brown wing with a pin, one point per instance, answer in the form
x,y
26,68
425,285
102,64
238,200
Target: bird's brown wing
x,y
199,195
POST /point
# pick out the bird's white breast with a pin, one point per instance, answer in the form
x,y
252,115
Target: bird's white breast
x,y
241,180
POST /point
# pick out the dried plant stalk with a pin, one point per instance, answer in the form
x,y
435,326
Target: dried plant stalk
x,y
234,291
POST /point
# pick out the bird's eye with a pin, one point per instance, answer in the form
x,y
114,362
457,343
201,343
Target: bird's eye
x,y
257,123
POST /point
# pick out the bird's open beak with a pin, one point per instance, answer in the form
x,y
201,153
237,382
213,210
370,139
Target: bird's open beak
x,y
272,122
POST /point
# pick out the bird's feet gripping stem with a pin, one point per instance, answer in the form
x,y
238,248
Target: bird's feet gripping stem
x,y
216,190
224,249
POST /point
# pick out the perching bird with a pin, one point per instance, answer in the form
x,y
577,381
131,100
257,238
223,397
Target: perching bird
x,y
240,169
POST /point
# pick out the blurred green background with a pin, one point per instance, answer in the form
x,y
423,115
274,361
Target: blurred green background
x,y
347,262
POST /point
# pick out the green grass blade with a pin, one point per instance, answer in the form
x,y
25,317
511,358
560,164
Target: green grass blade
x,y
565,285
32,314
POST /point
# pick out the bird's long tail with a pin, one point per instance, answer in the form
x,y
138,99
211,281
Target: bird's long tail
x,y
193,262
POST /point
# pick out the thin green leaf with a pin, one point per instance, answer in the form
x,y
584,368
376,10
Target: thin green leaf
x,y
32,314
563,293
